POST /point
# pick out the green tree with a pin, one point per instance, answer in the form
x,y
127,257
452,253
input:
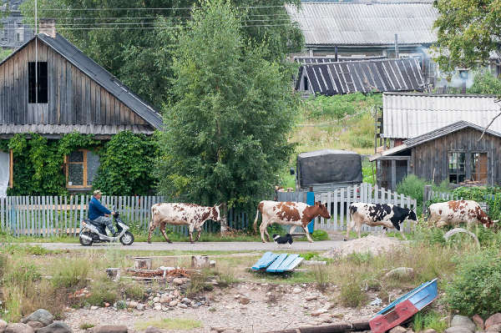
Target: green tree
x,y
133,38
4,54
467,31
226,136
485,84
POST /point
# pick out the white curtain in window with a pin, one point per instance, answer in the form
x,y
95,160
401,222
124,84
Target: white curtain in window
x,y
4,173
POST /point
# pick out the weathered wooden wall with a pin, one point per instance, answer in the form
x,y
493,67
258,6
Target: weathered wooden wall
x,y
430,160
73,97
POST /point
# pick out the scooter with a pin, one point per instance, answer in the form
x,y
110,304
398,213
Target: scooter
x,y
96,233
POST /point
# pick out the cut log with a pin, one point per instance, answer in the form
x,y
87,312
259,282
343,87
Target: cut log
x,y
200,261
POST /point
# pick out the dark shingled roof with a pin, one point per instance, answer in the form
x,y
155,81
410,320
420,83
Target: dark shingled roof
x,y
363,76
101,76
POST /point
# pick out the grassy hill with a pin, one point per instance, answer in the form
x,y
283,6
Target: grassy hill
x,y
337,122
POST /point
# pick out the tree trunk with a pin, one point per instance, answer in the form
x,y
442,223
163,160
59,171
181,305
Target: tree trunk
x,y
224,218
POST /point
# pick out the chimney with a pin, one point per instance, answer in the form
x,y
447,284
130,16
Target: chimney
x,y
48,27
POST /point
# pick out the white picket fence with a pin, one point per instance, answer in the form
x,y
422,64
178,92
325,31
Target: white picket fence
x,y
339,200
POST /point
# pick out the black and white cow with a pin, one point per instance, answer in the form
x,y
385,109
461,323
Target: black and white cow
x,y
388,216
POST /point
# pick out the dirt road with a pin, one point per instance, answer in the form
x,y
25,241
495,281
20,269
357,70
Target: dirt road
x,y
201,246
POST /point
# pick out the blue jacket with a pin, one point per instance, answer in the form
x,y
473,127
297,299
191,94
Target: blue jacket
x,y
96,209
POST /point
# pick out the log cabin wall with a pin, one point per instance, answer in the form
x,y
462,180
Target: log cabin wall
x,y
73,97
430,160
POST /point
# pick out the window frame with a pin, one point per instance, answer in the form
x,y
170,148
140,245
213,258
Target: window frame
x,y
468,173
457,166
67,162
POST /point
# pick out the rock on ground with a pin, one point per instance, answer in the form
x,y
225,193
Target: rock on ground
x,y
18,328
35,325
493,320
3,325
458,329
398,329
494,328
374,244
430,330
400,272
478,321
56,327
465,322
110,329
41,315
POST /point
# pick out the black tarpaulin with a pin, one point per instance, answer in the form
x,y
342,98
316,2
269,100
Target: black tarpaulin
x,y
329,166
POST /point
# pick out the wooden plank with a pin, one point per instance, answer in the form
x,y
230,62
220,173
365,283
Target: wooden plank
x,y
276,263
335,200
88,102
342,202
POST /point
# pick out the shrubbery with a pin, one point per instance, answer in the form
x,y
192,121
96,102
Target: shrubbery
x,y
413,186
476,286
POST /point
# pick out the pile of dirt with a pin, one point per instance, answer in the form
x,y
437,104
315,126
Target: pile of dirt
x,y
372,244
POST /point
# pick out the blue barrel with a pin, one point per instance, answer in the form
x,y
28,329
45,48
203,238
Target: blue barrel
x,y
310,200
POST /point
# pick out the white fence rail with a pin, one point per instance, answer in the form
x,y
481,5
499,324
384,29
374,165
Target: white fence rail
x,y
338,203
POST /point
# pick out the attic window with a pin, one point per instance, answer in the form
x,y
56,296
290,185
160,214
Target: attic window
x,y
305,83
38,82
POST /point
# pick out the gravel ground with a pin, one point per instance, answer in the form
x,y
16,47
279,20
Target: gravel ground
x,y
201,246
288,308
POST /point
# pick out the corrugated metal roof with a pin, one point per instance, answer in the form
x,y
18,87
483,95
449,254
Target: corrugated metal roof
x,y
365,24
363,76
327,60
409,115
440,132
67,129
103,78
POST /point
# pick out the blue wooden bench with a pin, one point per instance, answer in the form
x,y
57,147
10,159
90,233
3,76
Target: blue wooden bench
x,y
277,263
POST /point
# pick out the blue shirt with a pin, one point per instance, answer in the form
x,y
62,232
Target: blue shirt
x,y
96,209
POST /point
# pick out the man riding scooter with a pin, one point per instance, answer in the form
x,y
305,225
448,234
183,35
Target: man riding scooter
x,y
100,214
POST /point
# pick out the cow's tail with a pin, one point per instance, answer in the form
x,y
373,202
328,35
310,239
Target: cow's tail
x,y
257,217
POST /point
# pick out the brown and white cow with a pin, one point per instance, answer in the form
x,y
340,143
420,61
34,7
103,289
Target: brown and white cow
x,y
458,211
386,215
194,216
288,213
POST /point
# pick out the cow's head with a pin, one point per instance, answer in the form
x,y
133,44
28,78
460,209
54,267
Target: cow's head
x,y
322,210
412,216
215,213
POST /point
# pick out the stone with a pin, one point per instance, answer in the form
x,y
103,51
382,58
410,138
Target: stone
x,y
478,321
244,300
158,306
400,272
3,325
318,312
430,330
140,307
165,299
398,329
297,290
465,322
94,307
35,325
311,298
18,328
41,315
56,327
152,329
182,305
173,303
156,299
110,329
178,281
325,318
186,300
493,320
494,328
458,329
133,304
219,329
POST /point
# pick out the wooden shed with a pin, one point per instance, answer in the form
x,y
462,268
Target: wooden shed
x,y
49,87
454,153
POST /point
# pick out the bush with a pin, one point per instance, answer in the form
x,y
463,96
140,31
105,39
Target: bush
x,y
476,287
320,235
413,186
352,294
428,320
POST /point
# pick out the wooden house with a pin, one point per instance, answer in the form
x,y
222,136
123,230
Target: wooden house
x,y
49,87
454,153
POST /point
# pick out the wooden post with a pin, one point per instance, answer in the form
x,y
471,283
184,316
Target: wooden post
x,y
426,196
393,175
142,263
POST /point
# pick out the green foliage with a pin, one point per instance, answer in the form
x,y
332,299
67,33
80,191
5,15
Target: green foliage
x,y
351,294
485,84
369,172
320,235
225,137
428,320
39,163
476,287
467,31
143,60
126,165
413,186
339,106
4,53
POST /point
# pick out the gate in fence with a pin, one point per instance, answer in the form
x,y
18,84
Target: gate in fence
x,y
60,215
340,199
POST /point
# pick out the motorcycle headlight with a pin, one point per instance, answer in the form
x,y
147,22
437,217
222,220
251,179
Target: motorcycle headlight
x,y
84,224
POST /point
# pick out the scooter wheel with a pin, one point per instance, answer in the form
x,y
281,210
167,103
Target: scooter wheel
x,y
127,238
86,242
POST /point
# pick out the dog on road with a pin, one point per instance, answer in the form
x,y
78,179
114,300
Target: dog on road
x,y
283,239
